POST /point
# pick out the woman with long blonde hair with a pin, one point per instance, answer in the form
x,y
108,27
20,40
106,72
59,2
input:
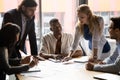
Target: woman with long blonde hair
x,y
90,27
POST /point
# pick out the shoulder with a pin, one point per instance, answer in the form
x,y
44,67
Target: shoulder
x,y
48,35
99,18
2,50
12,11
67,34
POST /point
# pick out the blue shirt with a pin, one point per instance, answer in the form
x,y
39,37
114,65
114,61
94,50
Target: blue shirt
x,y
88,36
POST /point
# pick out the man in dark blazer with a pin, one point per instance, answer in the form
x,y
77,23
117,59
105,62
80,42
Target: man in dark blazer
x,y
24,17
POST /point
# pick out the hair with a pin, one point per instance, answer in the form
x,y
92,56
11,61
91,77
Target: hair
x,y
93,19
27,3
8,34
116,21
52,21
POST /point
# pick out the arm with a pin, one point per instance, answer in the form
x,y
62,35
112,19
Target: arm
x,y
112,58
32,38
14,62
96,37
76,41
5,64
111,68
44,51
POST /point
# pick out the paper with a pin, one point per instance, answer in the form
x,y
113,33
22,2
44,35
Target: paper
x,y
83,59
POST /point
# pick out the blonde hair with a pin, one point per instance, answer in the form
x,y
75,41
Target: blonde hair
x,y
92,19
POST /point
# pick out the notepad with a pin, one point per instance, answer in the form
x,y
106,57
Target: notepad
x,y
34,69
107,76
83,59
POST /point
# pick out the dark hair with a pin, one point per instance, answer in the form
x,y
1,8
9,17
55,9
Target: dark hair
x,y
27,3
8,34
116,21
52,21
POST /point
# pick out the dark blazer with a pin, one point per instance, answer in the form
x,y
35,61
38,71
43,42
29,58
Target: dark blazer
x,y
14,16
5,68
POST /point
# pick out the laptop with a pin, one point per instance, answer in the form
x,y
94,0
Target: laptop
x,y
107,76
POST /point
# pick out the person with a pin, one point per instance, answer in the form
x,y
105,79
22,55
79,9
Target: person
x,y
24,17
9,35
49,47
112,63
90,27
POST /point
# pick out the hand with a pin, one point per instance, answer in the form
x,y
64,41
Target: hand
x,y
26,60
33,62
66,59
91,60
39,58
89,66
101,62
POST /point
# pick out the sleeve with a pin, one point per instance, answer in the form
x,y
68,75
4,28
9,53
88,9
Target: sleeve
x,y
96,35
112,58
110,68
32,39
7,68
14,62
76,39
7,18
44,47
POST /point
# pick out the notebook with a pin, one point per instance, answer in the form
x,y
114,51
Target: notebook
x,y
83,59
107,76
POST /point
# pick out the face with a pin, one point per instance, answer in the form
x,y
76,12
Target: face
x,y
112,31
29,12
56,28
83,18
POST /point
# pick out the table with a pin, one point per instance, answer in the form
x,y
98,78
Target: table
x,y
60,71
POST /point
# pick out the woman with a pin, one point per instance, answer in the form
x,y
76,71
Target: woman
x,y
91,27
9,35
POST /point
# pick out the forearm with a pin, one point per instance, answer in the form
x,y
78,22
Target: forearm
x,y
14,62
95,54
17,69
110,68
46,56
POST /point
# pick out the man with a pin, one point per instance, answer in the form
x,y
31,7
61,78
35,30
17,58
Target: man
x,y
112,63
57,44
24,17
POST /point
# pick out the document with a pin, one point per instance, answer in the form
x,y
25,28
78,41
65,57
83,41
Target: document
x,y
83,59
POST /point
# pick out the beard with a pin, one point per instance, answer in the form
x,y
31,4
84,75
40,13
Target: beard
x,y
27,16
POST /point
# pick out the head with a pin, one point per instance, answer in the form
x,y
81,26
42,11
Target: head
x,y
114,28
84,13
9,34
28,8
55,26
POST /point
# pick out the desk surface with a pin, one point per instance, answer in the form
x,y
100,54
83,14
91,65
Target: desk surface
x,y
60,71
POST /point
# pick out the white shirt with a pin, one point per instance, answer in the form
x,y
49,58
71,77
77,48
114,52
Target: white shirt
x,y
48,44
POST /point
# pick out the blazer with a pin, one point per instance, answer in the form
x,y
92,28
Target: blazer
x,y
5,67
14,16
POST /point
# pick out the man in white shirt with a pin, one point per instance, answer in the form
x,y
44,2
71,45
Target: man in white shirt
x,y
57,44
